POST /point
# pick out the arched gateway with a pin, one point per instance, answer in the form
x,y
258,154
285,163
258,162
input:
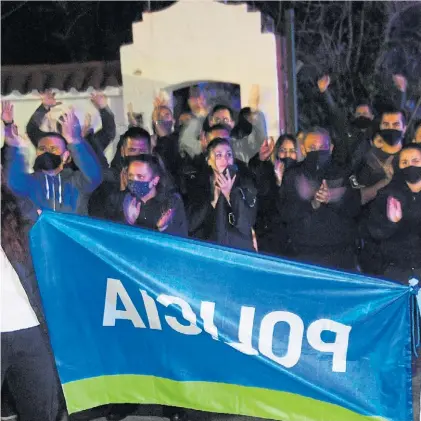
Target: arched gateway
x,y
202,41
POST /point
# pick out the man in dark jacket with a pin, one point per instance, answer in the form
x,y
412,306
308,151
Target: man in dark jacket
x,y
379,163
52,186
135,141
319,206
98,140
354,136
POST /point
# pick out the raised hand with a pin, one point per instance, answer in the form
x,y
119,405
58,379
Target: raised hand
x,y
7,112
165,220
225,184
48,99
323,83
12,137
99,100
254,98
131,208
161,100
70,127
266,149
394,210
87,125
279,171
400,82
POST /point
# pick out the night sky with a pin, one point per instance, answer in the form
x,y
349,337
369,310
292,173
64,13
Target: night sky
x,y
77,31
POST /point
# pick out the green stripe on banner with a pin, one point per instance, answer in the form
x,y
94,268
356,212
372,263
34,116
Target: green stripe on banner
x,y
204,396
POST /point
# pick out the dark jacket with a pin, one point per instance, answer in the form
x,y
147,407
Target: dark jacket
x,y
329,227
228,225
400,242
98,140
66,192
150,212
350,142
270,230
192,169
167,147
370,171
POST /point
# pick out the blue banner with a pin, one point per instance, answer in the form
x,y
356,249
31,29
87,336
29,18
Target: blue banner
x,y
143,317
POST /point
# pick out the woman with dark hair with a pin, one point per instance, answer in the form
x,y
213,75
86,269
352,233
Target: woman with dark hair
x,y
149,200
394,222
27,363
221,203
268,167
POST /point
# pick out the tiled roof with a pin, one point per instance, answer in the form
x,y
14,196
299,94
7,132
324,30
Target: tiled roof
x,y
64,77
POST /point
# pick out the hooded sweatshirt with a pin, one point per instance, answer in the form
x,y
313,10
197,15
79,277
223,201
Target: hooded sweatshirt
x,y
68,191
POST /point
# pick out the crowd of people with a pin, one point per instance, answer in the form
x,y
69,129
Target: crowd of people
x,y
346,197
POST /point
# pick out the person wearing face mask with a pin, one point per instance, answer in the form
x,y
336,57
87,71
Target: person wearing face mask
x,y
99,140
395,218
318,206
268,167
167,140
221,205
377,168
394,222
52,186
354,136
134,141
149,200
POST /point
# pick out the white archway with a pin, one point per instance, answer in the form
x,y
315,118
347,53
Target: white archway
x,y
201,41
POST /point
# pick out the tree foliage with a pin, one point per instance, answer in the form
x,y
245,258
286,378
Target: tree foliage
x,y
360,44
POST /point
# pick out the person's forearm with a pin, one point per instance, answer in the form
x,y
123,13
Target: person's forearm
x,y
87,162
19,181
189,137
33,127
369,193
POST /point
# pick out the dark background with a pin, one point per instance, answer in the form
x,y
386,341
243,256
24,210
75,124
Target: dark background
x,y
361,44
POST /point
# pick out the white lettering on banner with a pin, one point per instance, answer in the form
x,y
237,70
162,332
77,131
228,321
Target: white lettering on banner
x,y
295,340
151,311
266,339
207,314
186,311
339,348
116,289
245,332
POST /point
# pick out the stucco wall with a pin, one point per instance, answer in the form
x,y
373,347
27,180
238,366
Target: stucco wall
x,y
195,41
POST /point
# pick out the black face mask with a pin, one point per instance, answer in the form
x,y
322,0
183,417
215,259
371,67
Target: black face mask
x,y
391,136
47,162
362,122
288,162
411,174
318,158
